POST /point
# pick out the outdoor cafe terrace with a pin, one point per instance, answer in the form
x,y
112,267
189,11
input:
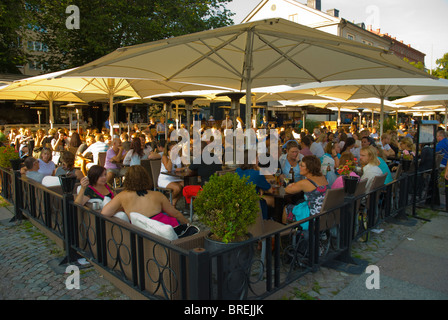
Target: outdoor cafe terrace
x,y
153,267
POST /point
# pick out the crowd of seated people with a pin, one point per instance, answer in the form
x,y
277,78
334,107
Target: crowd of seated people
x,y
310,162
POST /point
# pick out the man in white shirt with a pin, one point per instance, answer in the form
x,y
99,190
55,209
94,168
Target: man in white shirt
x,y
227,123
95,149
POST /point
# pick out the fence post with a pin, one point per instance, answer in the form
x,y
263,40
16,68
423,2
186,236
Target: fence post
x,y
344,261
199,274
17,184
71,255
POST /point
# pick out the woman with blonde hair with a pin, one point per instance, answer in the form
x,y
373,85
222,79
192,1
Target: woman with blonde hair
x,y
407,147
369,160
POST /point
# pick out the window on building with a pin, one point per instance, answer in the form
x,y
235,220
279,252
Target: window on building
x,y
350,36
367,42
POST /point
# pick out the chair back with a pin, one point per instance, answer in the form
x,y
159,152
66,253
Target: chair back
x,y
398,172
155,166
333,198
378,181
102,158
361,187
146,163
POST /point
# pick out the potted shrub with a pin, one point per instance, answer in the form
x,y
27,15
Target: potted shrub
x,y
9,153
228,205
406,160
350,182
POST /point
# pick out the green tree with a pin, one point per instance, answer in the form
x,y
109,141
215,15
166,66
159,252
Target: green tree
x,y
107,25
441,71
418,65
11,48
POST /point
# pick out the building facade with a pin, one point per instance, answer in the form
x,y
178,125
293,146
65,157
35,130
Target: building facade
x,y
311,15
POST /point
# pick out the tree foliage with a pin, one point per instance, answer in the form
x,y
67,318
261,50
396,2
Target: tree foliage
x,y
441,71
11,22
107,25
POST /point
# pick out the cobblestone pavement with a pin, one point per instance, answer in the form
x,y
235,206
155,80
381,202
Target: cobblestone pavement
x,y
25,254
26,273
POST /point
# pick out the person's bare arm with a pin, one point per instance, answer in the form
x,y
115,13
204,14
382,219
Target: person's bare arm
x,y
113,206
81,198
169,209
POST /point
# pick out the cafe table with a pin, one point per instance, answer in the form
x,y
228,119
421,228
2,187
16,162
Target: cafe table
x,y
281,198
189,177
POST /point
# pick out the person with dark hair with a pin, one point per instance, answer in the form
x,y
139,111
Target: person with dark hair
x,y
314,186
67,166
75,141
32,169
252,171
367,141
305,144
171,161
94,186
290,160
138,197
135,154
205,171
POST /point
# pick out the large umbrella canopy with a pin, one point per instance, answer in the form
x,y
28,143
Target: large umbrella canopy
x,y
48,96
367,104
432,100
56,83
374,88
254,54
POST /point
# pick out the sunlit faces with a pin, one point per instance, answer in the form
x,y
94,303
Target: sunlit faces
x,y
293,153
46,155
102,180
365,142
364,157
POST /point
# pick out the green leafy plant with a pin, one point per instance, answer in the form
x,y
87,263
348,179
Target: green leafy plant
x,y
228,205
7,153
389,124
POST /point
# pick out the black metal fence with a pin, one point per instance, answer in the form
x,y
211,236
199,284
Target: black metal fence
x,y
182,269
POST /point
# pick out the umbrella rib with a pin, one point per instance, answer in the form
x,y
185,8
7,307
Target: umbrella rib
x,y
206,55
334,47
285,56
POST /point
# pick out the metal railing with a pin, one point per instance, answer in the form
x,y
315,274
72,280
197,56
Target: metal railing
x,y
160,269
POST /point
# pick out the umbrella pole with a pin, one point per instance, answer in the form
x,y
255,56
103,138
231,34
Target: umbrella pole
x,y
381,110
381,116
248,63
339,116
51,114
446,115
111,115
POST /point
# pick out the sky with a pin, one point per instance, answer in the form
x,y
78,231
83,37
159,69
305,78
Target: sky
x,y
421,23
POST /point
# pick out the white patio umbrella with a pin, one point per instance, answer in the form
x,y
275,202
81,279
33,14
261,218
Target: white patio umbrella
x,y
369,104
426,101
377,88
48,96
57,83
250,55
